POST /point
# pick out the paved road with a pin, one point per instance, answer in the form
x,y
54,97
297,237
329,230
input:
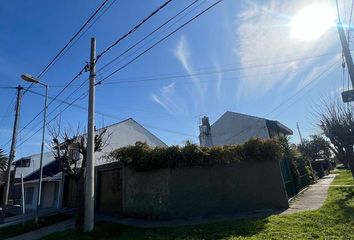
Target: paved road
x,y
312,198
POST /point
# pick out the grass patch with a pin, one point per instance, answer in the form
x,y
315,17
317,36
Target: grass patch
x,y
28,226
335,220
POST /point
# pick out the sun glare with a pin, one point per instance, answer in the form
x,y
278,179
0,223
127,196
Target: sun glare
x,y
312,21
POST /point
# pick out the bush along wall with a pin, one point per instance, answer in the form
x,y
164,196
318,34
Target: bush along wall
x,y
143,158
300,170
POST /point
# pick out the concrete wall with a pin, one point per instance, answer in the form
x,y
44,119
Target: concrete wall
x,y
188,192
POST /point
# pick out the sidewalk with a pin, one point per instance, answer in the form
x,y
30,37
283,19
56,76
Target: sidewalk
x,y
312,198
31,215
42,232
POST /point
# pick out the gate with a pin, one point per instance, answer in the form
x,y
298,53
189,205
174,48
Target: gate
x,y
109,189
288,178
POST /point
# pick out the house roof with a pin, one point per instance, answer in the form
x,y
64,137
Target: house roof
x,y
132,120
278,126
49,170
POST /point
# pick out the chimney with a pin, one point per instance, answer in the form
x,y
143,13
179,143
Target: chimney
x,y
205,133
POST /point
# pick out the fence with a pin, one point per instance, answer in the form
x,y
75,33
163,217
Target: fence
x,y
293,184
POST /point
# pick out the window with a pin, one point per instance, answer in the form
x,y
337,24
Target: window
x,y
24,162
29,195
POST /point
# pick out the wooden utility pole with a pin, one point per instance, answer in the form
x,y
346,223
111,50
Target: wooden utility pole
x,y
90,168
12,154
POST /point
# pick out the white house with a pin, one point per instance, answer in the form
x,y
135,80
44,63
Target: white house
x,y
52,186
237,128
121,134
27,166
125,133
30,164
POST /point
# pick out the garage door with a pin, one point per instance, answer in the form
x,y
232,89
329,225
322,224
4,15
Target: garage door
x,y
110,191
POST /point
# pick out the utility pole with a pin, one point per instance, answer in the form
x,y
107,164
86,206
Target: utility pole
x,y
90,168
12,154
347,96
298,129
346,51
302,143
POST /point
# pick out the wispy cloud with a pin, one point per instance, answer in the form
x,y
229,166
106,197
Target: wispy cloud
x,y
183,54
169,99
263,38
218,82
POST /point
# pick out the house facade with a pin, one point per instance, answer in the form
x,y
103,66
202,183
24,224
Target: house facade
x,y
27,166
118,135
237,128
30,164
59,190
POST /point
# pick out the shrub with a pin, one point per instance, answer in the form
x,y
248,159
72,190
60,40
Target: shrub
x,y
143,158
299,164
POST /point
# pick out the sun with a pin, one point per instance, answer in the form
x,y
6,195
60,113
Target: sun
x,y
312,21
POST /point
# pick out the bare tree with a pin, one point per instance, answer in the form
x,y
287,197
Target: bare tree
x,y
337,124
69,148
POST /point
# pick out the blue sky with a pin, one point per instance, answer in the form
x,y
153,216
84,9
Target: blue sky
x,y
239,56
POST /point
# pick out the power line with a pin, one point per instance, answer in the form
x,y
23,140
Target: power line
x,y
183,25
197,72
73,37
104,114
150,34
140,24
97,112
6,112
73,102
177,132
216,71
133,29
52,62
39,113
5,87
88,28
282,103
161,40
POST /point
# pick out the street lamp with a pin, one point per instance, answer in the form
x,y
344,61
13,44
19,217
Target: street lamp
x,y
32,79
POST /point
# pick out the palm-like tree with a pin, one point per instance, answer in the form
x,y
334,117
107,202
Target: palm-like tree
x,y
3,160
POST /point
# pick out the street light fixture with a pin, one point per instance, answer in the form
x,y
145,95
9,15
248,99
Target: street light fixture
x,y
29,78
32,79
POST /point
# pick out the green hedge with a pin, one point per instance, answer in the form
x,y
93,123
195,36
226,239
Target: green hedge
x,y
299,164
142,158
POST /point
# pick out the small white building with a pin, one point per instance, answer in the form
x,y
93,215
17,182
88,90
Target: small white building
x,y
30,164
237,128
121,134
